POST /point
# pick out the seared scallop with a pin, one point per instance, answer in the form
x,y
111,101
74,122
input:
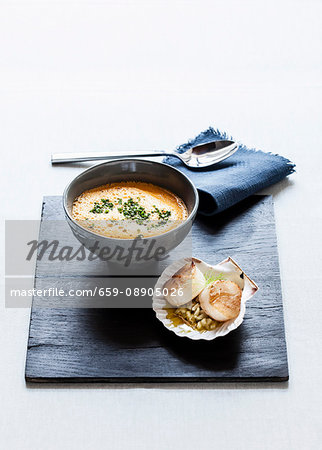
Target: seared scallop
x,y
221,300
184,285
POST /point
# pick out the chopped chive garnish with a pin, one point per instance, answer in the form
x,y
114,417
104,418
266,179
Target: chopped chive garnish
x,y
102,207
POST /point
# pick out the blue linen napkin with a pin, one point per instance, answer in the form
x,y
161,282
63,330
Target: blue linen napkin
x,y
244,173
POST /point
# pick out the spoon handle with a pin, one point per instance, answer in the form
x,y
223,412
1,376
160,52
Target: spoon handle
x,y
60,158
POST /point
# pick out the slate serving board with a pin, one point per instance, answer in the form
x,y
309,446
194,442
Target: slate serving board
x,y
131,345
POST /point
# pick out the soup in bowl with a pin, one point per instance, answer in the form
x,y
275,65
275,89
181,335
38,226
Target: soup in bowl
x,y
116,202
128,209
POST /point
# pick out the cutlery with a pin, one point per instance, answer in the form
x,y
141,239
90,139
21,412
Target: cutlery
x,y
199,156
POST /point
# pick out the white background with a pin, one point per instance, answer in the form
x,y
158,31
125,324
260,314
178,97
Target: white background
x,y
95,75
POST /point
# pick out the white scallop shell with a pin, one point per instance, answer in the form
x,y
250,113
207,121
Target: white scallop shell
x,y
230,271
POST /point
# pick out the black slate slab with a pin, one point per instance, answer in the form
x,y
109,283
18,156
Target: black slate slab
x,y
131,345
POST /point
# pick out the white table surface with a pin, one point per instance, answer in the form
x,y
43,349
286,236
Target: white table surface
x,y
80,75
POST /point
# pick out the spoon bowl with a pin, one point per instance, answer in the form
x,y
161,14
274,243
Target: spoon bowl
x,y
205,155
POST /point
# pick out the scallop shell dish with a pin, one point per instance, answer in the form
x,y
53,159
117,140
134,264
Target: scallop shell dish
x,y
196,300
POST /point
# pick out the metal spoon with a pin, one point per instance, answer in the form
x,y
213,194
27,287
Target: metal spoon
x,y
203,155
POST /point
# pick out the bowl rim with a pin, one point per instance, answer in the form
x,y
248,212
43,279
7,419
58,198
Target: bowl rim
x,y
189,218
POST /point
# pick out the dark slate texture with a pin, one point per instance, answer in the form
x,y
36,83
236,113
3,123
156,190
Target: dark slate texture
x,y
131,345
